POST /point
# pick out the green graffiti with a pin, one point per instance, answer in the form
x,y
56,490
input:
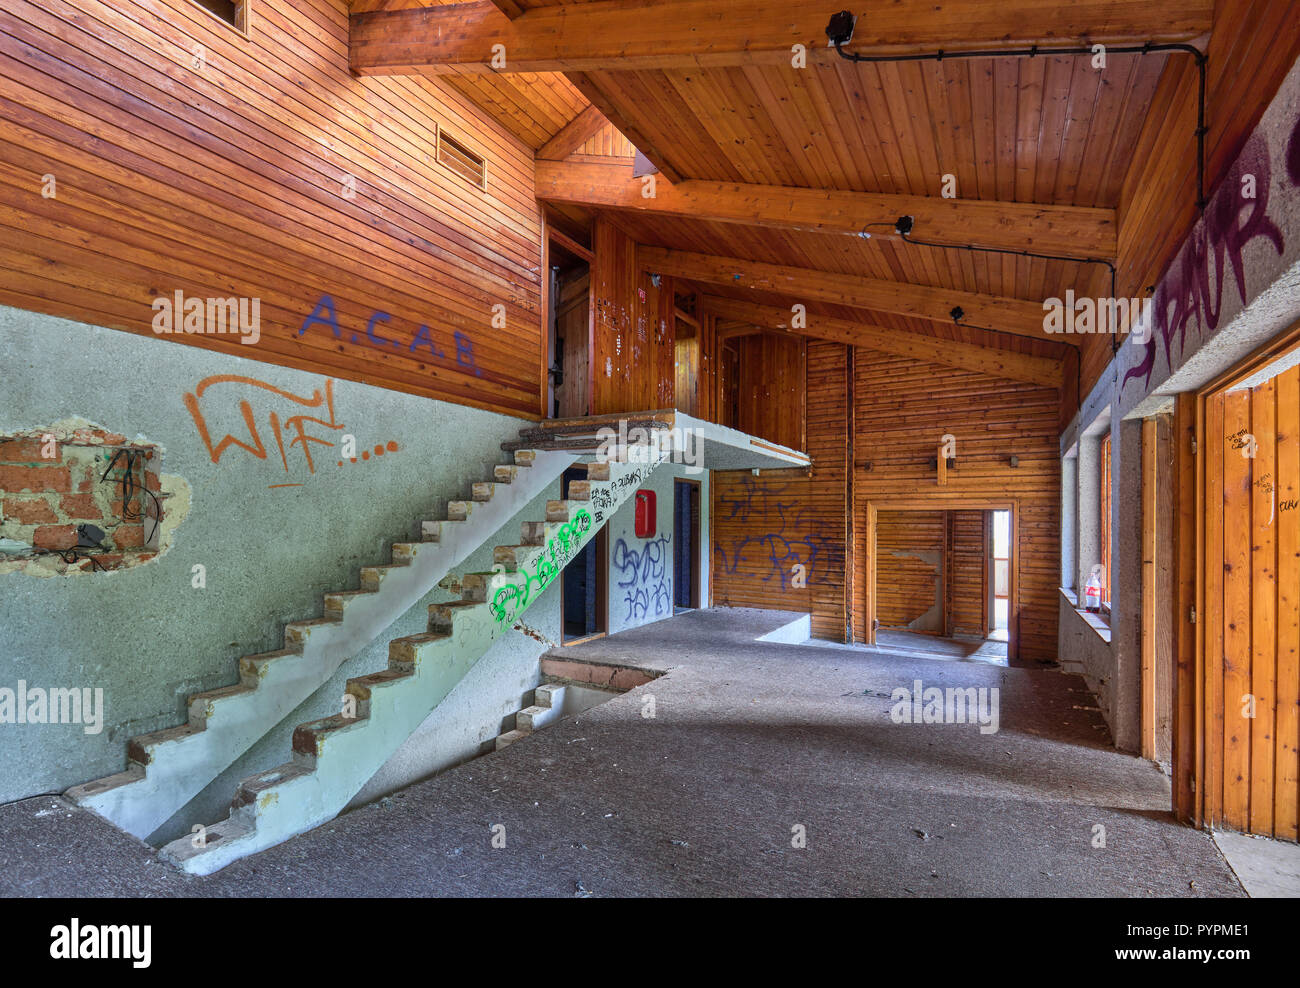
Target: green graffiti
x,y
510,601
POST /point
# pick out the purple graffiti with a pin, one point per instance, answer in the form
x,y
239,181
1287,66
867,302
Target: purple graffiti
x,y
796,540
1231,222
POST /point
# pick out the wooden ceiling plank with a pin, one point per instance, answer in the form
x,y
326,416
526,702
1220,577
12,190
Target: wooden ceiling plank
x,y
630,34
968,356
1068,230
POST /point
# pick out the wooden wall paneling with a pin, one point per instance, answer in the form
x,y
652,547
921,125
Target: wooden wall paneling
x,y
633,355
772,375
1160,508
1214,421
247,153
902,409
968,583
1147,714
574,328
1287,724
1237,602
1261,545
911,589
1186,679
762,526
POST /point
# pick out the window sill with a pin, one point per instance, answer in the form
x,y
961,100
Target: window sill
x,y
1097,622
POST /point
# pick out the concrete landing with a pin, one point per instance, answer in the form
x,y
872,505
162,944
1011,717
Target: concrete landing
x,y
751,745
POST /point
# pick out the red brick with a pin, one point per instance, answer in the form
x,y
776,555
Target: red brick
x,y
152,482
128,536
106,560
87,481
55,537
38,479
29,510
27,451
79,507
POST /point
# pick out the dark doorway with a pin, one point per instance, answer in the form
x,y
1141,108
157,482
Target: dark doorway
x,y
584,583
686,545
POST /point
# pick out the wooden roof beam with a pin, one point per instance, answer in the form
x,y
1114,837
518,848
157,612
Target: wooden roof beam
x,y
573,135
611,35
1006,315
1072,231
967,356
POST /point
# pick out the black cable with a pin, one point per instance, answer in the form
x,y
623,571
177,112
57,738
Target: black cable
x,y
1034,51
130,489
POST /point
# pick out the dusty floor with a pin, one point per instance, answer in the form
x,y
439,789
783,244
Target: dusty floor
x,y
749,742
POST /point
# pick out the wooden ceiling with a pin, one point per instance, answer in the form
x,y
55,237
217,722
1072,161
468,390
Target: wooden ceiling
x,y
707,91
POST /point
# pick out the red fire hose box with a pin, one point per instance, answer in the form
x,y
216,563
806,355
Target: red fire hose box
x,y
645,514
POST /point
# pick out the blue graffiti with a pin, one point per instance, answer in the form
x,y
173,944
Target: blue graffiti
x,y
794,541
645,578
326,314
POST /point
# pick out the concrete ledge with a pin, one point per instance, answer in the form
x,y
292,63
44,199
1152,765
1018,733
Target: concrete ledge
x,y
796,632
598,673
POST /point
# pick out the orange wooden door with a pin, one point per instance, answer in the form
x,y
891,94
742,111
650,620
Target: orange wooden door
x,y
1251,692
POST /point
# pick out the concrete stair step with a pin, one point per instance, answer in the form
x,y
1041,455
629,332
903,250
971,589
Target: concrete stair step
x,y
509,738
333,757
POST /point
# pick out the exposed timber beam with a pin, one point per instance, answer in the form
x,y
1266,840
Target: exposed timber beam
x,y
508,7
612,35
1072,231
573,135
967,356
1007,315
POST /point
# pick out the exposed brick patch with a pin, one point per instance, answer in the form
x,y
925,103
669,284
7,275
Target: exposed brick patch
x,y
37,479
28,451
80,506
44,500
28,511
128,536
55,537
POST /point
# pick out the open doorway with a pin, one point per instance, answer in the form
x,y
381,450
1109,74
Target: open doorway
x,y
686,545
941,580
999,576
571,326
584,593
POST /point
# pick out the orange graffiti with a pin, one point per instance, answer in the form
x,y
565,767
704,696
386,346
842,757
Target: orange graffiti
x,y
322,399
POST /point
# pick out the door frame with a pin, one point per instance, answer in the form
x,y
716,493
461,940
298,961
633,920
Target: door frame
x,y
953,502
697,542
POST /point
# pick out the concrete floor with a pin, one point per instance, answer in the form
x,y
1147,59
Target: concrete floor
x,y
748,742
1269,869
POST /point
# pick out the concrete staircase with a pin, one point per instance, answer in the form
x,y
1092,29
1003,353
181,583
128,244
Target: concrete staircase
x,y
547,707
334,757
168,768
551,702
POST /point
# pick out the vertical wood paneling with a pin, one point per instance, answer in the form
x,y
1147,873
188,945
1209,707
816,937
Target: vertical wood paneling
x,y
1252,586
1287,722
633,353
763,526
770,386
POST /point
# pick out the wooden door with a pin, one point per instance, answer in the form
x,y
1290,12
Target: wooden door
x,y
1251,689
